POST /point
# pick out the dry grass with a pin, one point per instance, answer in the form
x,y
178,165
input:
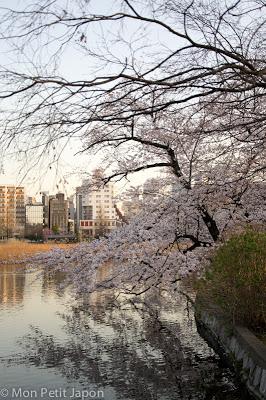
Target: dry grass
x,y
16,249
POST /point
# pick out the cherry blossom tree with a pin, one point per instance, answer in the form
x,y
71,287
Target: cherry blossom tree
x,y
163,244
176,86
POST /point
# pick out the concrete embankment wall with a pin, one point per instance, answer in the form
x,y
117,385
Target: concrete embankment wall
x,y
241,349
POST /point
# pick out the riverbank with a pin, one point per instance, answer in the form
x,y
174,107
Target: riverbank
x,y
239,347
17,250
230,307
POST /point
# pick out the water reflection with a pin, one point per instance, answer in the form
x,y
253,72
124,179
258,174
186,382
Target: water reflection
x,y
52,284
12,284
134,348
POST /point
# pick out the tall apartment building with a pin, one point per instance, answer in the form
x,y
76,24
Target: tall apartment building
x,y
95,210
12,210
58,213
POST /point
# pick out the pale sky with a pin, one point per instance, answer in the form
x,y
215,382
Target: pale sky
x,y
64,175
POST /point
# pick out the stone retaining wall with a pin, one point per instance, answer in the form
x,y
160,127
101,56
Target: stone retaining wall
x,y
241,349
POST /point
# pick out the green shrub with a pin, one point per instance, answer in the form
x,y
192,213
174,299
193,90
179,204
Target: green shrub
x,y
236,280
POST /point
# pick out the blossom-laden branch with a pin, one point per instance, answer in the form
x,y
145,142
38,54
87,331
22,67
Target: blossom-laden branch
x,y
155,249
191,104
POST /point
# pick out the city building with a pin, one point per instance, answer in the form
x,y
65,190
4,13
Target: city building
x,y
71,214
45,203
34,220
71,208
34,214
30,200
12,211
95,210
58,213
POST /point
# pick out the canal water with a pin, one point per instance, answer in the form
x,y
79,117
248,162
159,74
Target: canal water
x,y
102,346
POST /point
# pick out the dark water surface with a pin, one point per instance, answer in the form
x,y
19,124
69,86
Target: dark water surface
x,y
113,348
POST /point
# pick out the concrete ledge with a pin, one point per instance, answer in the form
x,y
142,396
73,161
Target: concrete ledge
x,y
255,346
239,347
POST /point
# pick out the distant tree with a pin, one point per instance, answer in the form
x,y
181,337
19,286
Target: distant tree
x,y
5,232
34,232
55,229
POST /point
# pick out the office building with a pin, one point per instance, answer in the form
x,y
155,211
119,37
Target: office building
x,y
95,209
34,214
12,211
58,213
34,221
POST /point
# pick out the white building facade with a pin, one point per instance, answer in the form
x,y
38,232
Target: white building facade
x,y
34,214
96,213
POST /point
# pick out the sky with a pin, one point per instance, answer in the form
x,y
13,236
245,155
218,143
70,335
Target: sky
x,y
65,174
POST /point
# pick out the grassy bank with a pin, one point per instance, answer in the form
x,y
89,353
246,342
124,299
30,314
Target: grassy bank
x,y
14,250
235,283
